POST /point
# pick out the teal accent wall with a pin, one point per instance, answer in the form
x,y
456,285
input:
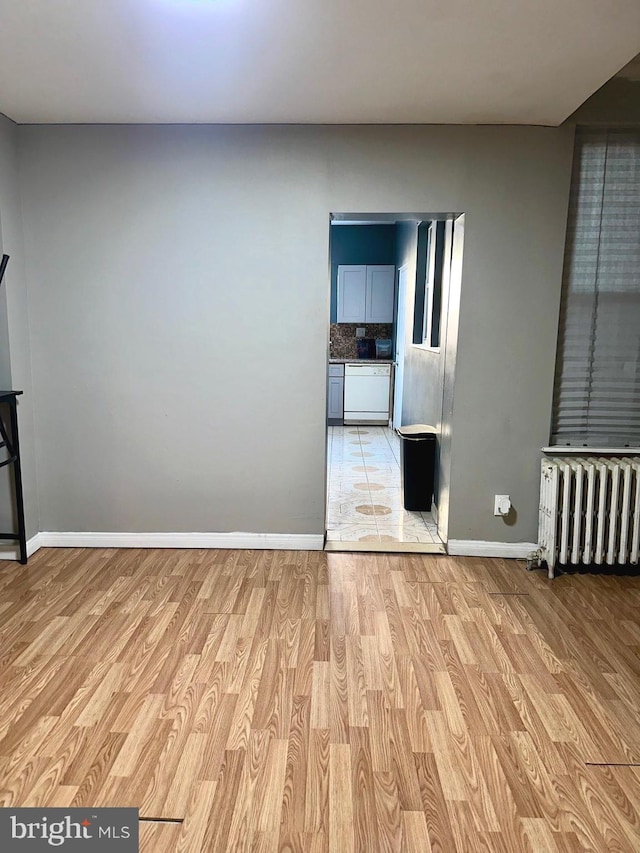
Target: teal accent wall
x,y
359,244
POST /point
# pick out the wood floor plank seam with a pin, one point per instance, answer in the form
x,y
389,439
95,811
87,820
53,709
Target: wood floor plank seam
x,y
161,819
493,592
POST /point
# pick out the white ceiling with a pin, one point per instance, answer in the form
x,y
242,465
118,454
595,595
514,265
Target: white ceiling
x,y
318,61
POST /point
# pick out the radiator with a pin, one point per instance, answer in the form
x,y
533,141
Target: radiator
x,y
589,511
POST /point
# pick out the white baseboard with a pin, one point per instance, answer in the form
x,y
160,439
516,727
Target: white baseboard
x,y
478,548
242,541
12,552
247,541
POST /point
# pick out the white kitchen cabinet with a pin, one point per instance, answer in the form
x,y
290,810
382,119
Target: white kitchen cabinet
x,y
380,293
352,293
365,293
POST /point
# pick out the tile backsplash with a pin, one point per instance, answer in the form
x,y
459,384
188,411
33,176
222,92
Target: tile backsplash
x,y
343,337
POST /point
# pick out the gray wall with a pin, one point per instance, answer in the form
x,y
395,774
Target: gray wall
x,y
422,379
7,130
452,286
15,354
428,373
422,398
616,103
7,518
179,300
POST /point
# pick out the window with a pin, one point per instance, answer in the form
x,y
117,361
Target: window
x,y
597,386
428,304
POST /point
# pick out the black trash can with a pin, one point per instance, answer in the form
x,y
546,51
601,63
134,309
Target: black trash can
x,y
417,466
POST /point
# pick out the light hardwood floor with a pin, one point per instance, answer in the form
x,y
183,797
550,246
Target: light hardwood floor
x,y
312,701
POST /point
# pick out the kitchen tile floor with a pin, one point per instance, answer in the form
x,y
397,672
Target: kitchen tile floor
x,y
364,501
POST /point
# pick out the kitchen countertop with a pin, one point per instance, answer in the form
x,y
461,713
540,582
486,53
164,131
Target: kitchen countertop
x,y
360,361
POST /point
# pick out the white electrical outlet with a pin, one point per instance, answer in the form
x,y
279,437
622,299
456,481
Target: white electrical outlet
x,y
501,504
360,331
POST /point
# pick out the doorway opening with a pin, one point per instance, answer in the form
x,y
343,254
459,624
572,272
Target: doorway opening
x,y
395,289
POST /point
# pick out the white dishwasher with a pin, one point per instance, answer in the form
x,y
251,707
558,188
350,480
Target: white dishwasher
x,y
366,393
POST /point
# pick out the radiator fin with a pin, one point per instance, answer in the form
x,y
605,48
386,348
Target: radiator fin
x,y
589,511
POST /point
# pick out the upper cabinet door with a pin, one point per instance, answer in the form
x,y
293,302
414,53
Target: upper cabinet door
x,y
380,294
352,293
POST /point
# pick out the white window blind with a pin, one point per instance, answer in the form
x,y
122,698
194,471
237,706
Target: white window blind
x,y
597,384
